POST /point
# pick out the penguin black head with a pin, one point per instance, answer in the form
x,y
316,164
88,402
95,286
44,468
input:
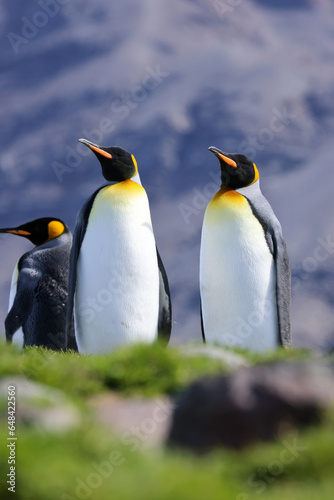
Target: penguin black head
x,y
117,164
237,170
39,231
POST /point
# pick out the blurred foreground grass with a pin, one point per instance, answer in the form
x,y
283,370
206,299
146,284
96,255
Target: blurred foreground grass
x,y
90,462
140,369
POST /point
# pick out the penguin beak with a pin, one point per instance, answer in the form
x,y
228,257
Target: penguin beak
x,y
221,156
95,148
20,232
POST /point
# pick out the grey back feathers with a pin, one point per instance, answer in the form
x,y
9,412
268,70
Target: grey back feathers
x,y
263,211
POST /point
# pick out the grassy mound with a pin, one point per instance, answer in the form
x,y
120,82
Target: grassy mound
x,y
91,462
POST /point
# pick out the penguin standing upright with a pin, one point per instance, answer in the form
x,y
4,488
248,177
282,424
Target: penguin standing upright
x,y
118,290
244,266
39,288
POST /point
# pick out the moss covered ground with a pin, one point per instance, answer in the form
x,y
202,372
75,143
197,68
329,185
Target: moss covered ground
x,y
90,461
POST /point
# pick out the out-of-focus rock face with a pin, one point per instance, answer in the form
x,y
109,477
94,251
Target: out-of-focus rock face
x,y
252,404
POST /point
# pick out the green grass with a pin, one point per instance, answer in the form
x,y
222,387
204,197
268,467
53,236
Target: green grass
x,y
91,462
140,369
52,467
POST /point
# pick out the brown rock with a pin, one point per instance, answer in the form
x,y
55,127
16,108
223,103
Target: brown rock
x,y
40,406
139,422
251,404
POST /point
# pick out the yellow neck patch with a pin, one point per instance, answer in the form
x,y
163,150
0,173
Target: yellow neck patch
x,y
227,195
226,206
55,228
135,164
257,175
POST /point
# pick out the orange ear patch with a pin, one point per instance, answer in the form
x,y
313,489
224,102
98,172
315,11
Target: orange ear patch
x,y
257,175
55,228
135,164
228,160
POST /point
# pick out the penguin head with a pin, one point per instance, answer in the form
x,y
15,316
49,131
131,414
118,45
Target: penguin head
x,y
39,231
117,164
237,171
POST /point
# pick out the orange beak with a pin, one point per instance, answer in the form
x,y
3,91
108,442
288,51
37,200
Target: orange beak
x,y
227,160
20,232
95,148
101,151
220,155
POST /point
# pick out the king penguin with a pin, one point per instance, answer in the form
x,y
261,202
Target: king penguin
x,y
118,291
244,267
39,287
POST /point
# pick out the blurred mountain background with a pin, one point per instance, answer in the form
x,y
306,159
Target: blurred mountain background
x,y
166,79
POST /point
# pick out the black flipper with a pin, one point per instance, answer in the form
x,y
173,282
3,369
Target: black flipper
x,y
71,342
23,301
165,306
78,236
202,325
273,234
283,288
